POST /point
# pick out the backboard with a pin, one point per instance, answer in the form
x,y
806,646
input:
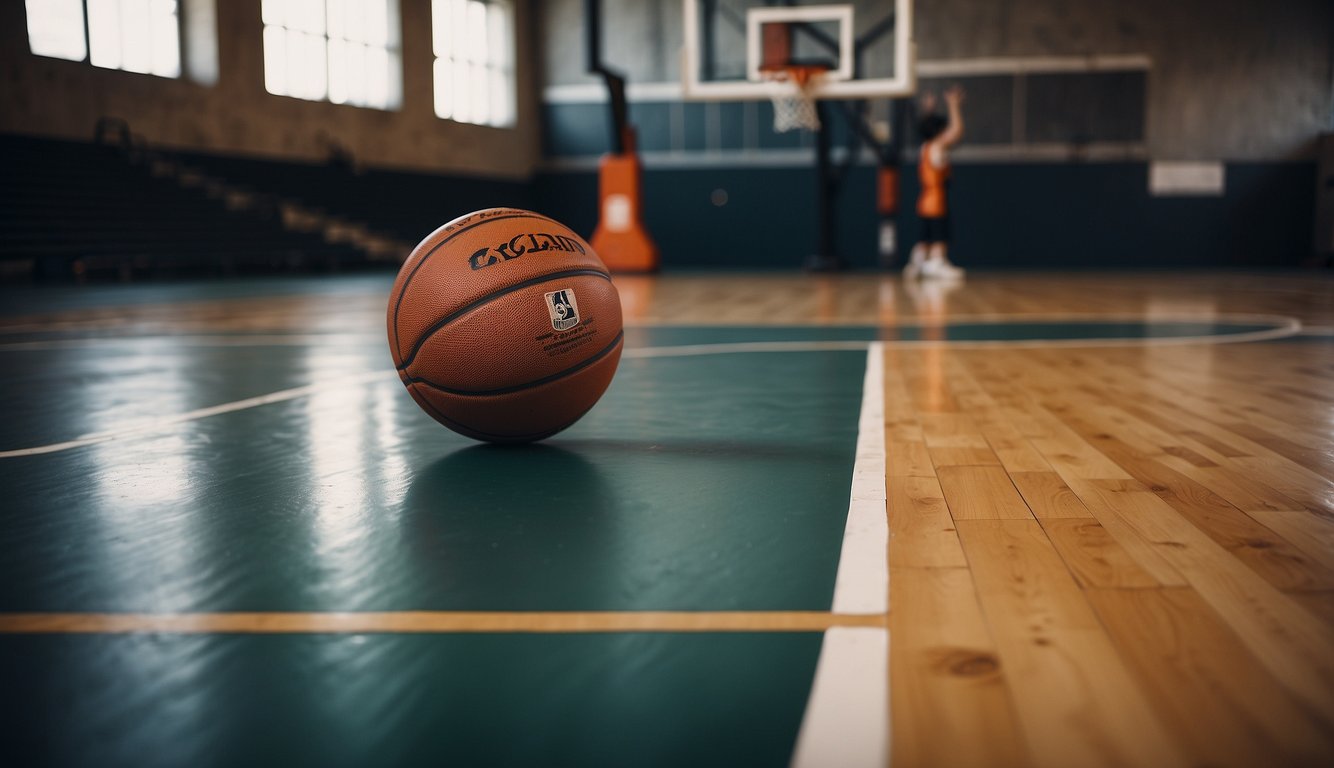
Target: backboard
x,y
866,46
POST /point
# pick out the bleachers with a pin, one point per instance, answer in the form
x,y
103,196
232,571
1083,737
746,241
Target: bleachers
x,y
72,209
399,205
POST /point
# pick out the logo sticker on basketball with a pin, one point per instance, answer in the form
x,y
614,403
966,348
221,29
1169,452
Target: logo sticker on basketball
x,y
564,309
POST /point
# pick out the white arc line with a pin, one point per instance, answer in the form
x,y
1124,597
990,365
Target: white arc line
x,y
155,425
215,340
847,716
1283,326
1289,328
690,350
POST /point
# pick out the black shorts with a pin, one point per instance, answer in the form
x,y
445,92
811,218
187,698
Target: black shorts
x,y
935,229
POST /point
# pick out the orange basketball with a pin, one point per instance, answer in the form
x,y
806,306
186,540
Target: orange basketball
x,y
505,326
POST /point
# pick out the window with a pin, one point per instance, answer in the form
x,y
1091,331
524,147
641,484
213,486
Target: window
x,y
345,51
474,65
133,35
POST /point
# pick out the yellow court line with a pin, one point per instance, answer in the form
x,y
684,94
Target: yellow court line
x,y
432,621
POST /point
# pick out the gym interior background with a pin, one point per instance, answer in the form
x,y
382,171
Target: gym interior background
x,y
1070,107
1080,504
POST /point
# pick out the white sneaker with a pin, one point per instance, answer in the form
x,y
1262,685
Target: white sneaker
x,y
941,269
913,269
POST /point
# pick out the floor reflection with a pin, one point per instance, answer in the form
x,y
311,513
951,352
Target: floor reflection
x,y
525,527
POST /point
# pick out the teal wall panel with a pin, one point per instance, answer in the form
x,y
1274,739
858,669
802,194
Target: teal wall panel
x,y
1006,216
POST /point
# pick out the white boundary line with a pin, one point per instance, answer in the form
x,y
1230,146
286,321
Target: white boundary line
x,y
862,584
847,715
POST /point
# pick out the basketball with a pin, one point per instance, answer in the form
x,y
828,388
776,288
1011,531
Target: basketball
x,y
504,326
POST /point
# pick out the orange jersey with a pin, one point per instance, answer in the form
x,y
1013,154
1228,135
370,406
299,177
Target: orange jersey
x,y
931,202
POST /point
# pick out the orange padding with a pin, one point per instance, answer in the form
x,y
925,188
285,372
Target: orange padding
x,y
620,239
887,191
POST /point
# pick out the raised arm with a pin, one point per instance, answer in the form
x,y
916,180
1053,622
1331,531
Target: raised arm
x,y
954,130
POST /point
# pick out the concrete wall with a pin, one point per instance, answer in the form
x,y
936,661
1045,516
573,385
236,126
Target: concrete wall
x,y
64,99
1230,79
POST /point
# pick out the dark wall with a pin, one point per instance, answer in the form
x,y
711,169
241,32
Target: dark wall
x,y
1006,216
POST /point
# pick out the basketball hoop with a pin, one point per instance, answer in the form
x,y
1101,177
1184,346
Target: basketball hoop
x,y
794,98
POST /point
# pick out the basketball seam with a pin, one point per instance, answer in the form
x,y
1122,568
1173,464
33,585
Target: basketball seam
x,y
526,385
456,314
398,343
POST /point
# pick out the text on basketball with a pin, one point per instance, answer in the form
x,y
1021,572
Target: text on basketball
x,y
518,245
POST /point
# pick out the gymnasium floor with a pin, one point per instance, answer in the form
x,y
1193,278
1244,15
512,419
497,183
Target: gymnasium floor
x,y
230,537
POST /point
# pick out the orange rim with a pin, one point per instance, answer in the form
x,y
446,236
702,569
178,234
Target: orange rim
x,y
801,74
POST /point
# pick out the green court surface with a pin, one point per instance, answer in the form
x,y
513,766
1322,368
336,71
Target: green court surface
x,y
710,482
361,700
156,474
704,482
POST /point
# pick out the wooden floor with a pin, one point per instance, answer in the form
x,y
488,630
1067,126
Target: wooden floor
x,y
1114,553
1117,556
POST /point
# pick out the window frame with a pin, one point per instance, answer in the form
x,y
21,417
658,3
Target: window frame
x,y
87,33
393,49
503,64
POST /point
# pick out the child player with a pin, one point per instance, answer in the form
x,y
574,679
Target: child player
x,y
939,134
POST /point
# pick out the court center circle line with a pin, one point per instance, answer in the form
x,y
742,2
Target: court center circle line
x,y
1283,326
148,426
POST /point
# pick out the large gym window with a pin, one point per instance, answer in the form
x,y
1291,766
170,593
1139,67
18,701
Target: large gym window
x,y
474,65
133,35
344,51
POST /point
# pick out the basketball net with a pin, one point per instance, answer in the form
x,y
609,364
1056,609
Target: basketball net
x,y
794,99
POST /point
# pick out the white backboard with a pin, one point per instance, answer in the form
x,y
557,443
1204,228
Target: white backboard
x,y
867,45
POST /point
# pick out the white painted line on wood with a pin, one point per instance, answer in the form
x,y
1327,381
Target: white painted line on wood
x,y
862,583
691,350
847,716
